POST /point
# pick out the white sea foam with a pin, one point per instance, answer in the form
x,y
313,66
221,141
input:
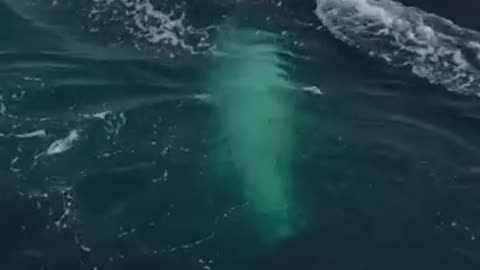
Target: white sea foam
x,y
37,133
157,25
100,115
313,89
433,47
62,145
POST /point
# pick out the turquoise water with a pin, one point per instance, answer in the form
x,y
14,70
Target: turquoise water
x,y
141,134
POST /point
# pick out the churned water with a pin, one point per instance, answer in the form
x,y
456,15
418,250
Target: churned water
x,y
237,134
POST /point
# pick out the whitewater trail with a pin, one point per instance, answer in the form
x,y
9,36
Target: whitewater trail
x,y
433,47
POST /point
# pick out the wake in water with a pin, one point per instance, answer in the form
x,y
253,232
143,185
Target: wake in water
x,y
435,48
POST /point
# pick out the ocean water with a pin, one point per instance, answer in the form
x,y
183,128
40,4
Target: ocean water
x,y
236,134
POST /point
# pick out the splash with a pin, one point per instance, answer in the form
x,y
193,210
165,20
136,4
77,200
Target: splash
x,y
256,116
433,47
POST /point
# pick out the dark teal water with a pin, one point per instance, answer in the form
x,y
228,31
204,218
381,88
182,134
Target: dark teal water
x,y
110,134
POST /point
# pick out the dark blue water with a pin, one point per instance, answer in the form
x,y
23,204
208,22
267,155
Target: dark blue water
x,y
114,155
